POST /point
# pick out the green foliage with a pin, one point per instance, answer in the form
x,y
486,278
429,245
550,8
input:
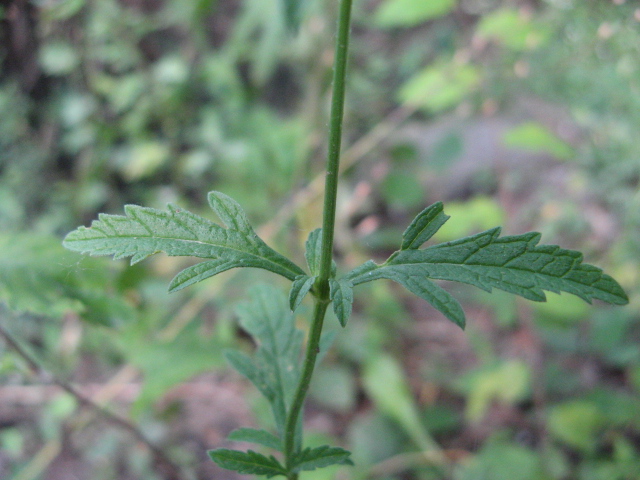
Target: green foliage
x,y
39,277
145,231
515,264
387,386
260,437
407,13
319,457
275,367
440,87
535,137
247,462
153,102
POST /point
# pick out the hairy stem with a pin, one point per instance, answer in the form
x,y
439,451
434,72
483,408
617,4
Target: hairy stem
x,y
328,222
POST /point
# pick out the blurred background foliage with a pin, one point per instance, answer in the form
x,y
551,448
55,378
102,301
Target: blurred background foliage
x,y
522,113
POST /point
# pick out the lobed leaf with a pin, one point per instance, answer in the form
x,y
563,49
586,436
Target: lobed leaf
x,y
275,366
261,437
145,231
515,264
319,457
247,462
341,295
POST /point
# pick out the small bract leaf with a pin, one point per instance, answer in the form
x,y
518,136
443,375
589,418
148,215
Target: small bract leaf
x,y
299,289
313,251
319,457
261,437
247,462
145,231
342,297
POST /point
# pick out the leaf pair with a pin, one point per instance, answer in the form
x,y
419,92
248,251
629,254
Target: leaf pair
x,y
515,264
341,291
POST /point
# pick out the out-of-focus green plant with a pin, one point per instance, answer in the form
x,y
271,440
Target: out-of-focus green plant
x,y
515,264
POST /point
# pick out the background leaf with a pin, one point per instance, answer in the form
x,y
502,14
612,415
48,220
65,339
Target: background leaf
x,y
275,366
407,13
38,276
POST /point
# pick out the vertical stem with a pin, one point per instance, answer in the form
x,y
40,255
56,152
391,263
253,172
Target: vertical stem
x,y
328,222
335,141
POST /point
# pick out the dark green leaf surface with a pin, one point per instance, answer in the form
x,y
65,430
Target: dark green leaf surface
x,y
423,227
145,231
342,298
515,264
319,457
261,437
299,289
274,369
247,462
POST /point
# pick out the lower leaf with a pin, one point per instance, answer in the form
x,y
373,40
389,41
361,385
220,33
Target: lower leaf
x,y
247,462
319,457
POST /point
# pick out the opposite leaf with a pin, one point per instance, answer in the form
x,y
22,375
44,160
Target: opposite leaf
x,y
145,231
515,264
247,462
312,458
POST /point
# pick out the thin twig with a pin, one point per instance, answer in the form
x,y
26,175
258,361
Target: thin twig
x,y
168,466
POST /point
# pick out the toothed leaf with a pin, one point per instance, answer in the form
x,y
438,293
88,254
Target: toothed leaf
x,y
177,232
319,457
260,437
275,366
515,264
299,289
342,298
247,462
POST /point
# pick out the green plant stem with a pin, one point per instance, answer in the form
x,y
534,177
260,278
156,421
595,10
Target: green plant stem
x,y
305,379
322,290
335,141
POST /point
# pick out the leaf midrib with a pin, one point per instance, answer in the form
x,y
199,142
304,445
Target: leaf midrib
x,y
188,241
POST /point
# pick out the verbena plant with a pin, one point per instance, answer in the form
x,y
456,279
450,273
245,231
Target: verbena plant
x,y
515,264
